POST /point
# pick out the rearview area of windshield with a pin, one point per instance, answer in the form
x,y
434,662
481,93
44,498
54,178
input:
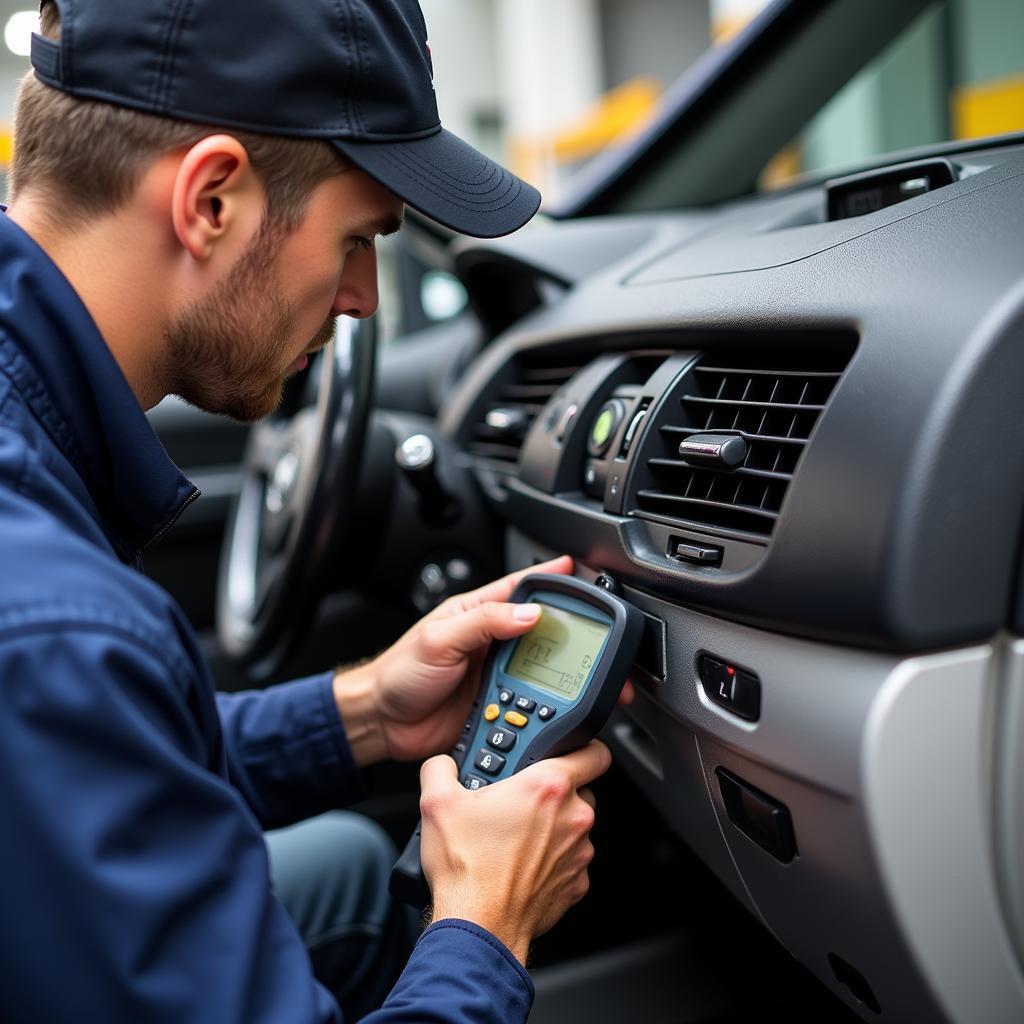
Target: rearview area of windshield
x,y
956,72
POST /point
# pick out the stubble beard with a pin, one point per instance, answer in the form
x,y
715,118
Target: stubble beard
x,y
228,352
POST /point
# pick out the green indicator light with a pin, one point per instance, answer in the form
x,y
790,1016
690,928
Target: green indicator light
x,y
602,428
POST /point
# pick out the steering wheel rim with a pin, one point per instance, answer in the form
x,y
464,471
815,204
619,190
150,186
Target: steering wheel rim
x,y
299,476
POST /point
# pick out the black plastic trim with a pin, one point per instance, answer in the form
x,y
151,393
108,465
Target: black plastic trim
x,y
762,819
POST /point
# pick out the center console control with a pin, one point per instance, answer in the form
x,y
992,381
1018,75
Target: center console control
x,y
730,687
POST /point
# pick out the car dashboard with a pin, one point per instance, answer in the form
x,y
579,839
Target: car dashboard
x,y
793,442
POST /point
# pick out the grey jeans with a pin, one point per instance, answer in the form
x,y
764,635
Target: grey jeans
x,y
331,874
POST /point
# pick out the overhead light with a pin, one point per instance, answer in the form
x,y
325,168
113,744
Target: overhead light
x,y
18,32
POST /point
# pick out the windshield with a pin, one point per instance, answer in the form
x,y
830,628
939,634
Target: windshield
x,y
957,72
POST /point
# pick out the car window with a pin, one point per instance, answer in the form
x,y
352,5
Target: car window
x,y
414,294
956,72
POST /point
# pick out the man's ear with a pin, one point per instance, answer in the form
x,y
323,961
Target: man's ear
x,y
216,193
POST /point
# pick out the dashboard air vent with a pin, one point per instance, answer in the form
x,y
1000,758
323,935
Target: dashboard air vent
x,y
773,409
519,395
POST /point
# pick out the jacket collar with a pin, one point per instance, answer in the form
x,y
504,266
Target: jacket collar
x,y
54,353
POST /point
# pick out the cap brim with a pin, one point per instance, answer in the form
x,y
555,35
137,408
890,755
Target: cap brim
x,y
449,181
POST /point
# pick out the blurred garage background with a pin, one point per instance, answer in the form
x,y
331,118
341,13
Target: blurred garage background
x,y
548,85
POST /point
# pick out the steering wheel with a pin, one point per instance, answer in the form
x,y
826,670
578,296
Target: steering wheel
x,y
299,475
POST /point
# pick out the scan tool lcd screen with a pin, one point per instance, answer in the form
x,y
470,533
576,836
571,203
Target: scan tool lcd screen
x,y
558,654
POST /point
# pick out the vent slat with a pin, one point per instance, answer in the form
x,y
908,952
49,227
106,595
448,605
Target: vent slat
x,y
763,474
773,438
557,374
678,499
782,406
768,373
528,407
527,390
774,410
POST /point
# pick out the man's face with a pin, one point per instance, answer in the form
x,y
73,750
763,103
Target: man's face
x,y
230,351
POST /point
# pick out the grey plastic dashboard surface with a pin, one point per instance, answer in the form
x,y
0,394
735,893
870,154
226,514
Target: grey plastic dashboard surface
x,y
900,530
790,230
888,766
895,744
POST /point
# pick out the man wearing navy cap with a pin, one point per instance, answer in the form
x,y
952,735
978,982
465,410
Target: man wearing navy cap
x,y
195,193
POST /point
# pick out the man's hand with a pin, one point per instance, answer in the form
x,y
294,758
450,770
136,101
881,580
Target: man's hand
x,y
411,701
511,857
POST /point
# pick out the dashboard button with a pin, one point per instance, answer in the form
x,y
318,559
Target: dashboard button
x,y
474,782
631,431
491,712
545,713
525,704
516,719
566,421
716,680
746,695
699,554
731,688
505,695
594,474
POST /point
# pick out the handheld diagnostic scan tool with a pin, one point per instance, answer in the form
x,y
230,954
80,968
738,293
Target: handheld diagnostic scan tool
x,y
545,693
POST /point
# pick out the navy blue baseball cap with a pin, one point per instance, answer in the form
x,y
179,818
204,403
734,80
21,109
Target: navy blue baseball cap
x,y
356,73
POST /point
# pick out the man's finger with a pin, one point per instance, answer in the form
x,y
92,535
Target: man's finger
x,y
587,763
501,590
438,774
586,794
451,639
628,693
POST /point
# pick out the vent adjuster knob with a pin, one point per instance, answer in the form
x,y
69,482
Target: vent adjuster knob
x,y
509,422
725,451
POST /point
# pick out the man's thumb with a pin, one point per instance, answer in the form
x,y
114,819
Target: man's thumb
x,y
438,775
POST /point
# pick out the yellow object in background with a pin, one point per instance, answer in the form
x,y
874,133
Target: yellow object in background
x,y
782,168
6,148
989,108
624,109
619,112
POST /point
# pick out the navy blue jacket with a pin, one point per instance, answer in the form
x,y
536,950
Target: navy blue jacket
x,y
134,882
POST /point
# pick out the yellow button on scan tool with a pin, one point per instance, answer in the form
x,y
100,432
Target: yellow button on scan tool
x,y
516,719
491,712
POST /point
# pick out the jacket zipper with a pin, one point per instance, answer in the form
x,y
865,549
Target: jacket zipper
x,y
170,522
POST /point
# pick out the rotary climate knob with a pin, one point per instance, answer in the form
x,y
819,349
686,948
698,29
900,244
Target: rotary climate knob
x,y
605,424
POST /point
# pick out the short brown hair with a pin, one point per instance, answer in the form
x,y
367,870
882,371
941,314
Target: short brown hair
x,y
88,156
